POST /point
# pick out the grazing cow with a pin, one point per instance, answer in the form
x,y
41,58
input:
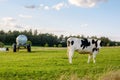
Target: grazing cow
x,y
83,46
4,49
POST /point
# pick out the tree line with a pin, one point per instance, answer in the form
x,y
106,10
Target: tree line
x,y
46,39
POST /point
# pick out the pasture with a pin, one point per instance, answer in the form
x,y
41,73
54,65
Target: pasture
x,y
52,64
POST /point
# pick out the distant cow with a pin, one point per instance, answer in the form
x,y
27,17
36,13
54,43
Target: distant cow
x,y
83,46
4,49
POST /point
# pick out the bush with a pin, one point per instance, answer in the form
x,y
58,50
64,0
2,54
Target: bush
x,y
29,42
1,44
59,45
46,45
54,45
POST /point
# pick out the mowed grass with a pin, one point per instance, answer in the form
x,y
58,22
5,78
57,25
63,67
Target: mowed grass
x,y
52,64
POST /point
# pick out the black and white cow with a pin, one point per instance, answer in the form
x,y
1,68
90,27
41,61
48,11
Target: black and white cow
x,y
4,49
83,46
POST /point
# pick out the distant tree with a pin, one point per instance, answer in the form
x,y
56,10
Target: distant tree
x,y
62,40
2,32
94,37
105,40
42,38
15,33
82,36
35,32
24,32
29,32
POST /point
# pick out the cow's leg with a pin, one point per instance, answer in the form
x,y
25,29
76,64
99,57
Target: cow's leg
x,y
89,57
70,55
94,56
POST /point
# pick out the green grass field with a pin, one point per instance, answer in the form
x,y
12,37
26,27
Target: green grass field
x,y
52,64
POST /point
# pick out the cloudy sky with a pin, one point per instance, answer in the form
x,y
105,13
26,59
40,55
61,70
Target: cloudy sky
x,y
67,17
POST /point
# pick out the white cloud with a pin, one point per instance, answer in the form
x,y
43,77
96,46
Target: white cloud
x,y
55,7
41,6
59,6
30,6
13,26
25,16
84,25
7,19
9,23
85,3
46,7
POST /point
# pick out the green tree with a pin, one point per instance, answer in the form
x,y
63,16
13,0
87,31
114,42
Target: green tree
x,y
105,40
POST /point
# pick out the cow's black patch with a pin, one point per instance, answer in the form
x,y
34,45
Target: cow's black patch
x,y
85,43
95,49
72,42
95,42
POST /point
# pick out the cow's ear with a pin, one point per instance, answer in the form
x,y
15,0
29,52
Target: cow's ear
x,y
93,41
